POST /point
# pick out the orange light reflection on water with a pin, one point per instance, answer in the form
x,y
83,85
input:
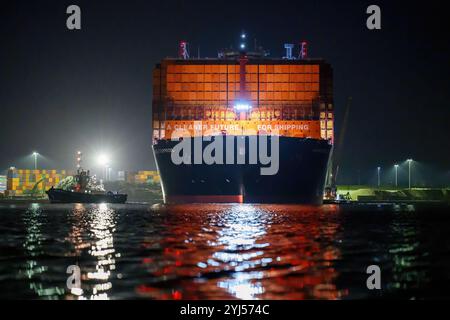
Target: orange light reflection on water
x,y
245,252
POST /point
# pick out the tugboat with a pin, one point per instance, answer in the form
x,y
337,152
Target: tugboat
x,y
82,188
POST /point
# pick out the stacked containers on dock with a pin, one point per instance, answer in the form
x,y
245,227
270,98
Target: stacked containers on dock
x,y
13,181
142,176
145,176
3,180
22,180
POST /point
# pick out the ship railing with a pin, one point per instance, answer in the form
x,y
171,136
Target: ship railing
x,y
216,111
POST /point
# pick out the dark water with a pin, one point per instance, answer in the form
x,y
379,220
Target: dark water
x,y
223,251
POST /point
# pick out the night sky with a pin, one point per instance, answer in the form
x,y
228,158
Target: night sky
x,y
63,90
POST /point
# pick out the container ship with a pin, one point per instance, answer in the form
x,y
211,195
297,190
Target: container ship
x,y
243,127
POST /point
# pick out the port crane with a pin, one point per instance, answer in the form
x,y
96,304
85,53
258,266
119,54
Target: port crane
x,y
330,191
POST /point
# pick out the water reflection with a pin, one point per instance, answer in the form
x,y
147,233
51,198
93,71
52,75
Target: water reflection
x,y
92,232
291,256
34,270
245,252
406,252
242,241
223,251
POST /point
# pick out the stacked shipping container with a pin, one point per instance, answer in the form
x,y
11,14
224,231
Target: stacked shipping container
x,y
2,184
143,176
297,92
19,181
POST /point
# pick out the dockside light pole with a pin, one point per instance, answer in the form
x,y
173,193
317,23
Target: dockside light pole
x,y
409,173
35,154
378,173
396,175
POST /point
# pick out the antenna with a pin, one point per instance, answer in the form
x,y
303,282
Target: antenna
x,y
288,47
183,51
338,147
303,50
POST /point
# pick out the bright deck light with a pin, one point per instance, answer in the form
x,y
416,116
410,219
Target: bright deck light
x,y
242,107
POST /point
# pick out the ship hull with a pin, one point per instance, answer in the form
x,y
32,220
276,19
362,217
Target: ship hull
x,y
299,178
63,196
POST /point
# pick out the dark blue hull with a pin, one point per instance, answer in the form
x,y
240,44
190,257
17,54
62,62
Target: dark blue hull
x,y
300,177
63,196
